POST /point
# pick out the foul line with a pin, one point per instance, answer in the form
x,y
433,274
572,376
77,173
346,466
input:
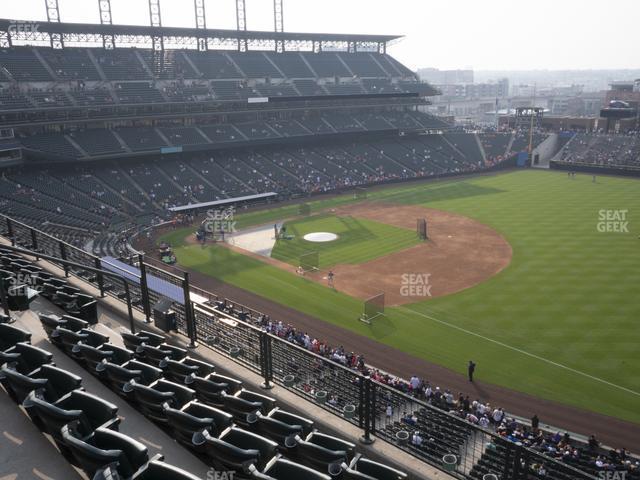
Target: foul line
x,y
537,357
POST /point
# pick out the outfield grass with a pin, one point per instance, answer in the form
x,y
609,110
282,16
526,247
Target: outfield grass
x,y
359,240
559,322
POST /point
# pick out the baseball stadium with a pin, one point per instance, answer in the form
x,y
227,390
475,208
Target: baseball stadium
x,y
260,255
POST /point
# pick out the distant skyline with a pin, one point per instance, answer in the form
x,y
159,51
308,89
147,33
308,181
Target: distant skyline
x,y
487,35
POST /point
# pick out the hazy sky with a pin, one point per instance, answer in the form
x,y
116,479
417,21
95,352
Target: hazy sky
x,y
487,34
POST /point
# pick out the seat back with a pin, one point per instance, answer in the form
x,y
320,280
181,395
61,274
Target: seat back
x,y
184,425
378,471
50,323
178,371
221,419
31,357
240,407
89,457
93,356
94,338
234,384
69,338
183,394
152,401
118,376
154,355
10,335
231,456
96,411
272,428
53,418
332,443
154,339
149,373
293,419
208,391
120,355
249,440
87,309
18,385
162,471
135,454
74,323
132,341
283,469
59,382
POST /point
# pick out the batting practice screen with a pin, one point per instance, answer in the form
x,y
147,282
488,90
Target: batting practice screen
x,y
373,308
304,209
360,193
421,228
310,261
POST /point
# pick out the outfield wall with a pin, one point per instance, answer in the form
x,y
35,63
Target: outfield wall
x,y
595,169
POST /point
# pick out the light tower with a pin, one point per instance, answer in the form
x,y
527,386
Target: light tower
x,y
53,15
108,41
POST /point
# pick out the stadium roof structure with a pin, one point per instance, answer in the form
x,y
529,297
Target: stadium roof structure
x,y
57,34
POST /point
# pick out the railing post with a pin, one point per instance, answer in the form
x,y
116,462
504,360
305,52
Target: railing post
x,y
34,242
266,360
188,312
144,289
374,401
3,298
368,404
100,277
10,232
507,460
132,325
63,256
361,400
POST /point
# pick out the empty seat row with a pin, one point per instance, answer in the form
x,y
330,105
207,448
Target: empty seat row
x,y
83,426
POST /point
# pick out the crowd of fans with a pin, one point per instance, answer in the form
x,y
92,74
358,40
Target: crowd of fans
x,y
604,149
557,445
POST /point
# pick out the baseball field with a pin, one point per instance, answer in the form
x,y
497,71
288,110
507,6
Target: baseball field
x,y
532,274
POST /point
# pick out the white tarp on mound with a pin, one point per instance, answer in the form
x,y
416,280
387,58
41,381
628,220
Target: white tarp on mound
x,y
258,240
320,237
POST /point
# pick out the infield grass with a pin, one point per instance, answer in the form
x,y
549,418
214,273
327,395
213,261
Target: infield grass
x,y
359,240
559,323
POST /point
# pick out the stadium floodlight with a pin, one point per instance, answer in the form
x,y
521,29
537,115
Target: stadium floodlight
x,y
108,40
241,24
200,11
278,22
53,15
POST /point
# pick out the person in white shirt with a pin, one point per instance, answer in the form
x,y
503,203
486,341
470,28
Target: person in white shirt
x,y
484,422
498,415
428,391
416,439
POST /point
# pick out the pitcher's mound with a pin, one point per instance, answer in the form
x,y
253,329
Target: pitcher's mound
x,y
320,237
